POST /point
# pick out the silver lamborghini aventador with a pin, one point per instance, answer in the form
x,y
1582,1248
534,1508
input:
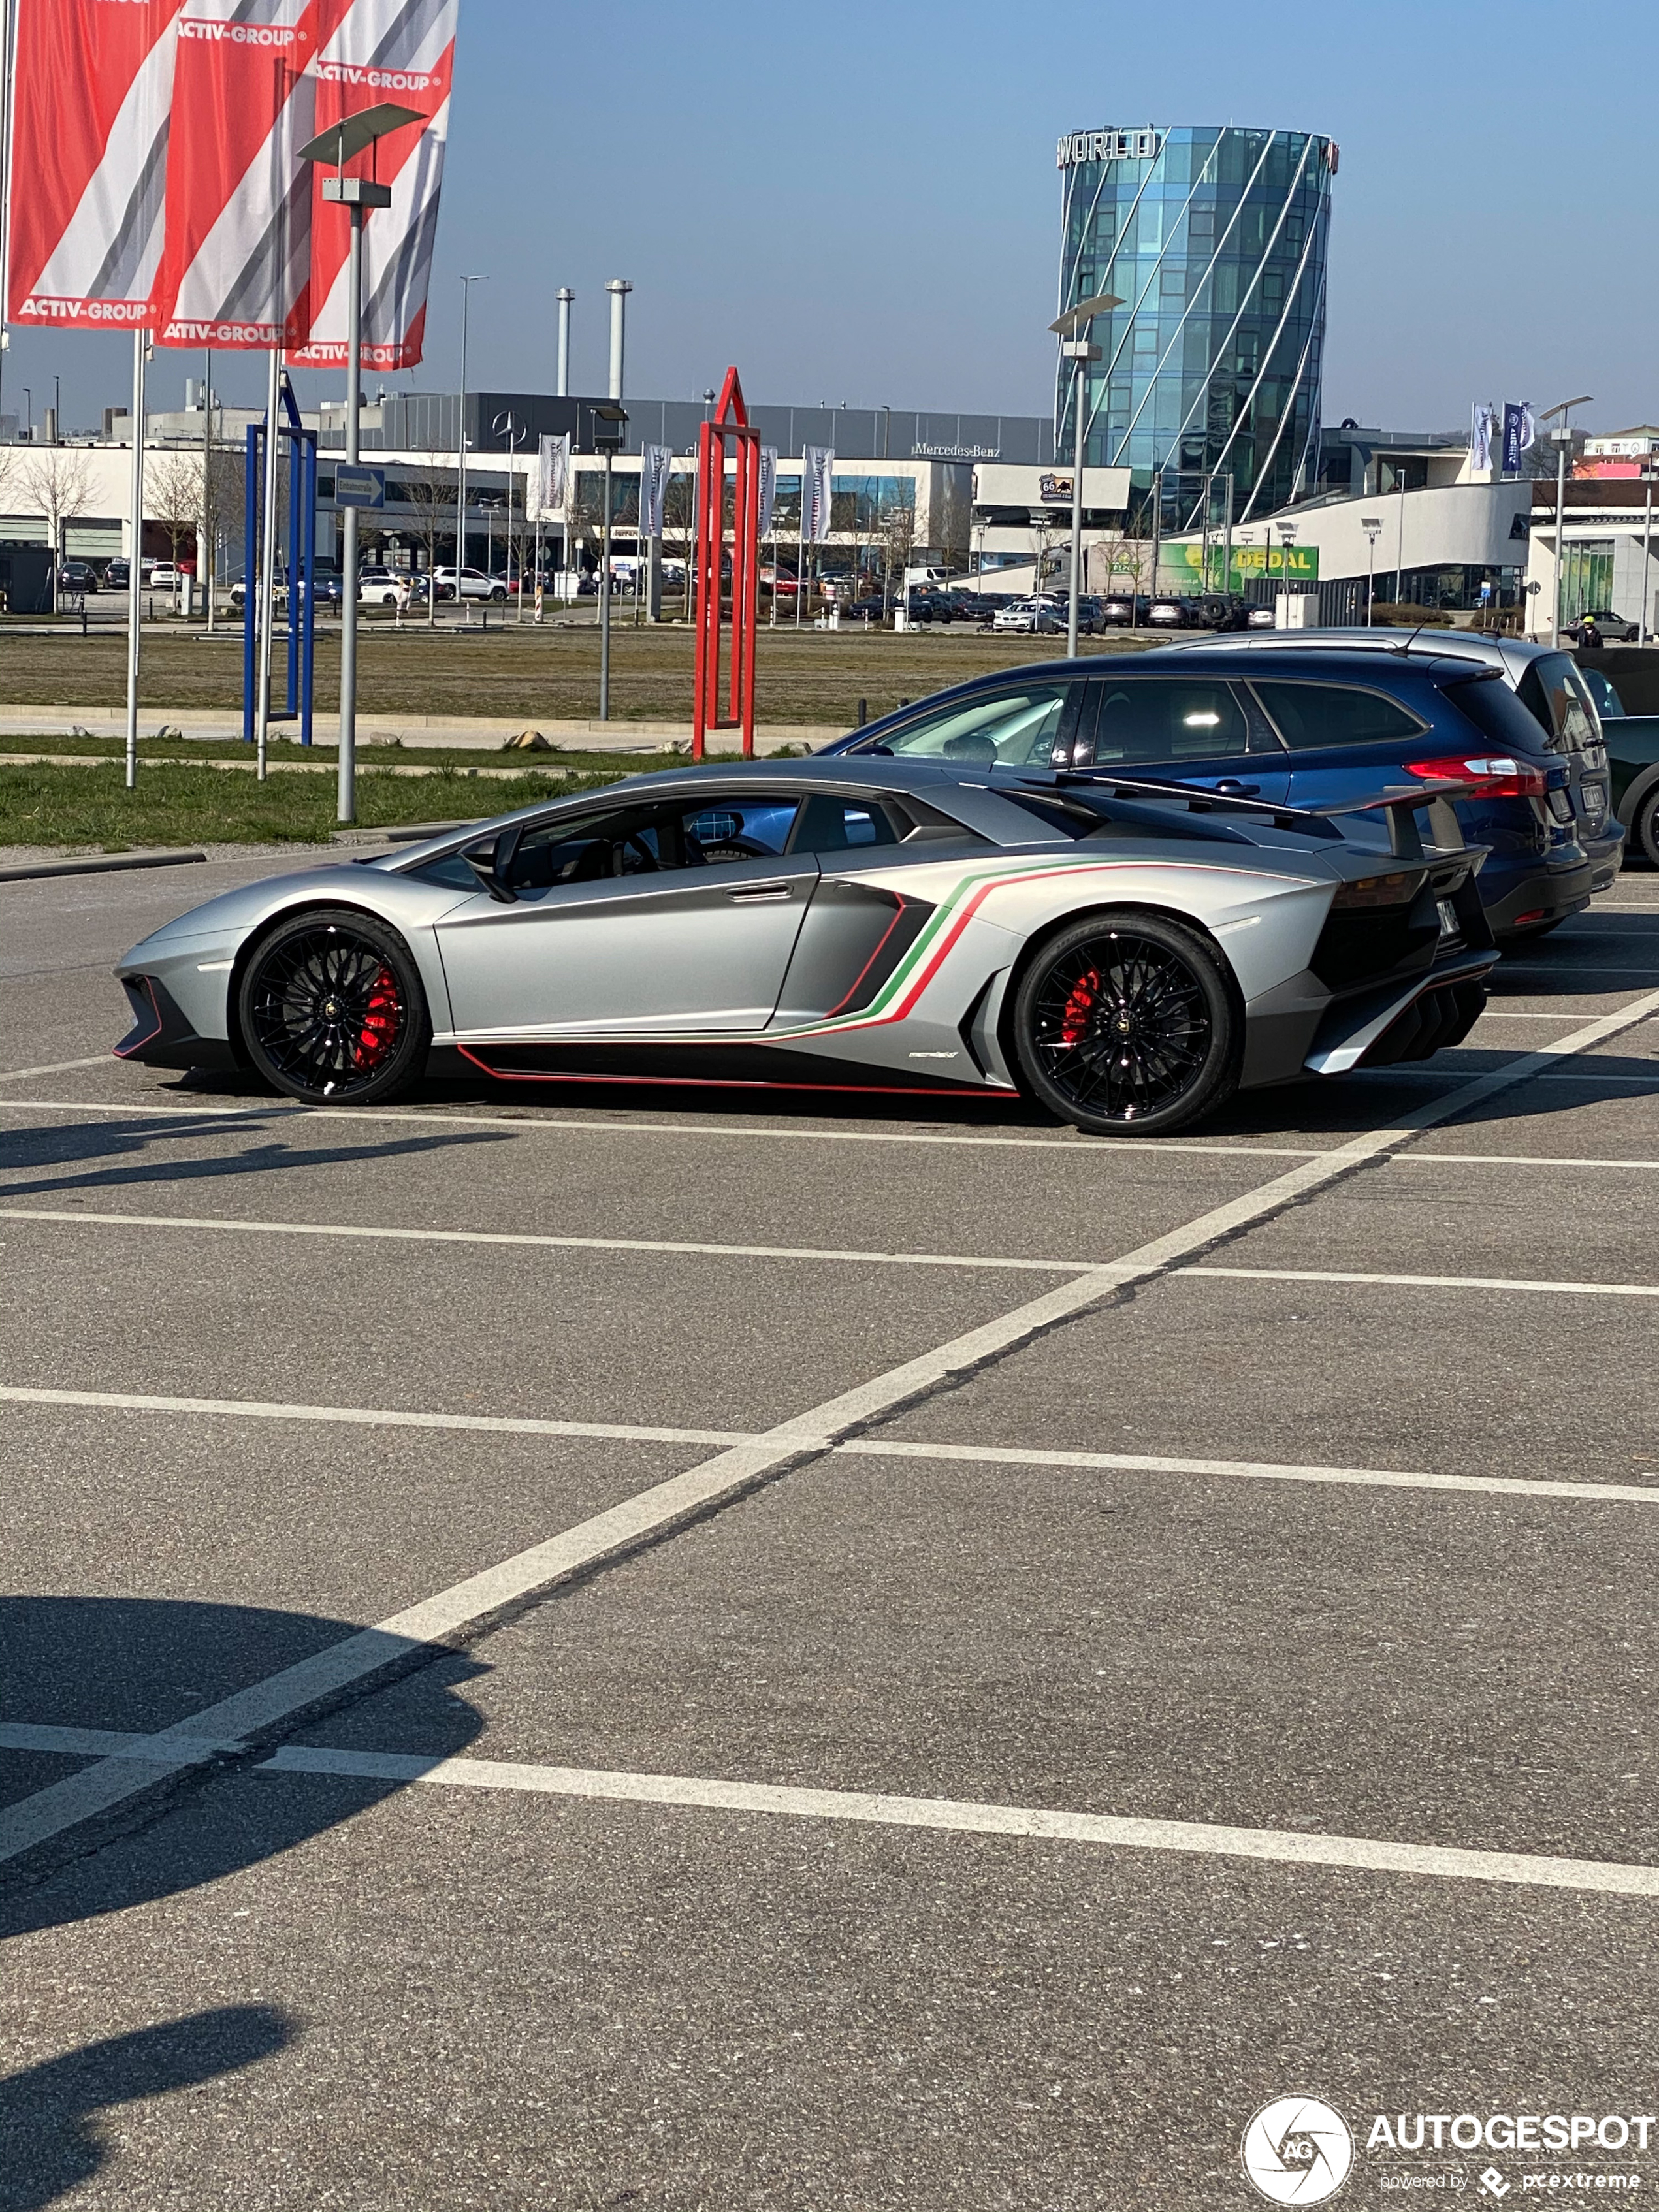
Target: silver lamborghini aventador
x,y
1128,955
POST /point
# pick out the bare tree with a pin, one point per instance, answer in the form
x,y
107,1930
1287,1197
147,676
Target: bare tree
x,y
58,482
173,497
429,493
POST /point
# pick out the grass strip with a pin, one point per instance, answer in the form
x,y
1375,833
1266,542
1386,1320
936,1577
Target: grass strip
x,y
91,807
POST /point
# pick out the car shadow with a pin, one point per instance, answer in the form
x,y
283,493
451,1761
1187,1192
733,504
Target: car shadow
x,y
49,2112
135,1666
136,1140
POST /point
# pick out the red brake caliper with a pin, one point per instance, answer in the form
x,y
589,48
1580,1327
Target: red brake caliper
x,y
1074,1016
380,1022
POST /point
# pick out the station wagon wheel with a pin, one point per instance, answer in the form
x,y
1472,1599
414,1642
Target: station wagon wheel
x,y
331,1008
1127,1024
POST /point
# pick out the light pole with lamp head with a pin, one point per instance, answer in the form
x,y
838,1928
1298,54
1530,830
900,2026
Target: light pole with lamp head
x,y
1286,540
467,282
340,144
1372,526
610,428
1072,329
1563,436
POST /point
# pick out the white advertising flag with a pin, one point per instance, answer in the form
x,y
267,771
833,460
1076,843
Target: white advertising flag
x,y
654,463
552,467
1481,430
818,466
768,489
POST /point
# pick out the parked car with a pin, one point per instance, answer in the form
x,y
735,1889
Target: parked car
x,y
1031,617
163,576
921,606
1124,610
77,576
1631,739
1313,726
329,583
1262,617
117,575
1110,977
474,584
1171,611
382,587
1611,629
1223,611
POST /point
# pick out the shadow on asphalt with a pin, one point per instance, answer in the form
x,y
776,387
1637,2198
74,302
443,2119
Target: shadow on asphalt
x,y
21,1150
48,2113
137,1665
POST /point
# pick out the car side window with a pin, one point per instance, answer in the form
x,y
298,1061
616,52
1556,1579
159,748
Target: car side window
x,y
829,825
1142,719
1310,716
1016,728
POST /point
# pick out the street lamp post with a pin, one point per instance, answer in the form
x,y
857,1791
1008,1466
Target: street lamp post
x,y
610,428
467,282
1563,436
1287,539
341,143
1372,526
1073,330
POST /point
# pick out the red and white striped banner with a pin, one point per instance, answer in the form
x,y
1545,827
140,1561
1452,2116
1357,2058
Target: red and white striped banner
x,y
236,267
89,156
371,50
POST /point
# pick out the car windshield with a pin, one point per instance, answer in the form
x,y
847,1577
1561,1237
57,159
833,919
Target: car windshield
x,y
1006,729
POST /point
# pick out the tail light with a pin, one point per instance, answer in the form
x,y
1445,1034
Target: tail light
x,y
1396,890
1497,775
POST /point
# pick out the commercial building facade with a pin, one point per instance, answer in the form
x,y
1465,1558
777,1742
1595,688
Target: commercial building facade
x,y
1215,240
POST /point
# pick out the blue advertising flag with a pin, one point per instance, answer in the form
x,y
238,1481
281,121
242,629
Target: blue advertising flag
x,y
1514,430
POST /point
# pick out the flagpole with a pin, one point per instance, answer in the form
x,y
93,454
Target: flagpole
x,y
135,564
268,568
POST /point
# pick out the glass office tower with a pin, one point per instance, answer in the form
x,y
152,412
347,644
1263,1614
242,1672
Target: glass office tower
x,y
1215,240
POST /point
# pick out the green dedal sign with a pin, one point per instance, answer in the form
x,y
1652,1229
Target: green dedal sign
x,y
1184,565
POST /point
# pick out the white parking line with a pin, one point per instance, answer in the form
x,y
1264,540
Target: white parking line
x,y
939,1815
58,1067
1429,1282
1294,1847
368,1417
526,1125
1364,1478
471,1604
376,1233
1509,1160
256,1409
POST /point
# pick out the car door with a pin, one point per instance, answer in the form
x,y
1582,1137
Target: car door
x,y
635,919
1194,729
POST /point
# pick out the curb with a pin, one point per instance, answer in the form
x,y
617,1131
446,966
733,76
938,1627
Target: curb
x,y
99,864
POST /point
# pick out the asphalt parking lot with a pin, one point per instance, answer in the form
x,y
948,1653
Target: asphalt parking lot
x,y
589,1654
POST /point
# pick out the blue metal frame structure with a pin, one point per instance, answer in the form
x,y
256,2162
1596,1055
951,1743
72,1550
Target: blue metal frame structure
x,y
301,563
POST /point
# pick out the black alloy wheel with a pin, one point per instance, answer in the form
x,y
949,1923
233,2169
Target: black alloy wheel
x,y
1127,1024
1644,830
331,1008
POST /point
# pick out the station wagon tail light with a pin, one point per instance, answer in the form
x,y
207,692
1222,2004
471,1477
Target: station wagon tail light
x,y
1496,775
1396,890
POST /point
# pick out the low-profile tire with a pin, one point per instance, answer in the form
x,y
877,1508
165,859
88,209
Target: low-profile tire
x,y
1127,1024
331,1008
1644,827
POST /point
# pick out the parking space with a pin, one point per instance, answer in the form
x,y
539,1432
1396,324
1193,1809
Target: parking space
x,y
707,1653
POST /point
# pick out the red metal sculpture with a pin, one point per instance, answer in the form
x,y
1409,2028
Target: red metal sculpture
x,y
731,420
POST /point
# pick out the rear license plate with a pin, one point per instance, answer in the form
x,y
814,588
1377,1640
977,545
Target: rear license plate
x,y
1449,923
1593,798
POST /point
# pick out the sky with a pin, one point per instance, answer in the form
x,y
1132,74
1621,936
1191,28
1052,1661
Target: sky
x,y
863,205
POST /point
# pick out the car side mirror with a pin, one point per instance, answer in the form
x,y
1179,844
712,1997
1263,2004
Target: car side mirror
x,y
492,864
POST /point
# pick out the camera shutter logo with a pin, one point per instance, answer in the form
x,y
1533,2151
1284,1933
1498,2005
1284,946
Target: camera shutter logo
x,y
1298,2151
